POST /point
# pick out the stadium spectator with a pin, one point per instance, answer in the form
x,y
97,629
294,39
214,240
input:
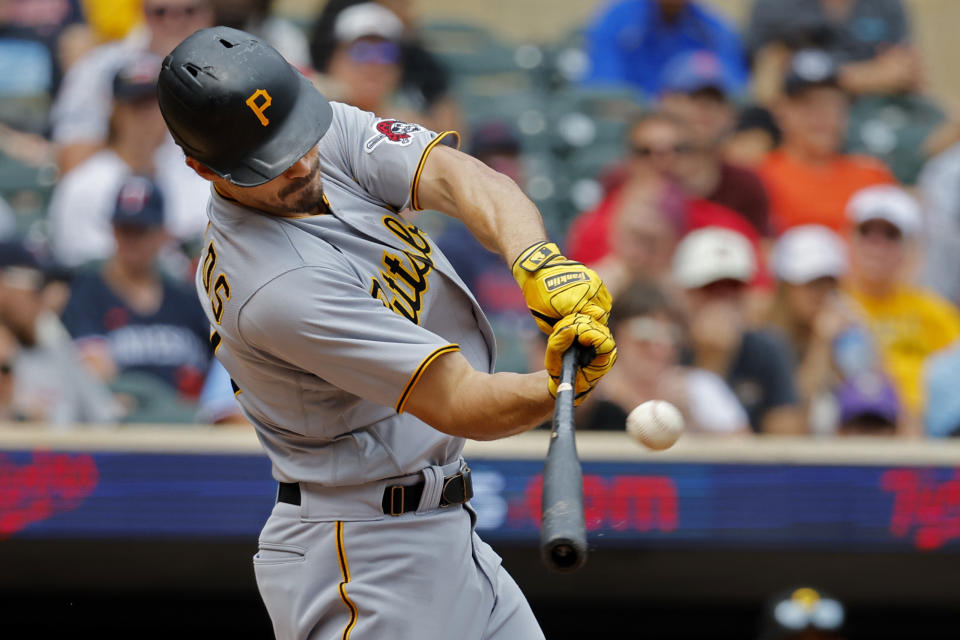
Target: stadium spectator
x,y
83,200
939,190
43,22
125,317
713,266
869,39
830,347
660,150
656,143
650,334
50,385
642,235
424,86
8,355
755,135
812,115
630,42
697,90
909,324
81,113
941,379
365,67
257,17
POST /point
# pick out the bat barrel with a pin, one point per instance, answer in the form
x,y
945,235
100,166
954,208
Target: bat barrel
x,y
563,532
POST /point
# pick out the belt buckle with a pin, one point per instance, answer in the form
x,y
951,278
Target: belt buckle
x,y
394,511
467,488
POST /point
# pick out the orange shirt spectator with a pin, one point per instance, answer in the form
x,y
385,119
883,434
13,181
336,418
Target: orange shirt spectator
x,y
804,193
809,180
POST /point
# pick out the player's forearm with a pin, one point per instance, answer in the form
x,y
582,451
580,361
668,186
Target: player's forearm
x,y
492,206
506,404
454,398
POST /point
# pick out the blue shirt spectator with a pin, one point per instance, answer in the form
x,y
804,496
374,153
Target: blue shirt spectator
x,y
631,41
129,318
169,343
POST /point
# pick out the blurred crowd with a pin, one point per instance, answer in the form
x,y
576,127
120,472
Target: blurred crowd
x,y
775,206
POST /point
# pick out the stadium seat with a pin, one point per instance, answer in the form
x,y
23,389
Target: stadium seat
x,y
893,129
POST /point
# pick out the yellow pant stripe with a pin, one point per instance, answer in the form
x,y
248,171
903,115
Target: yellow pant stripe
x,y
345,574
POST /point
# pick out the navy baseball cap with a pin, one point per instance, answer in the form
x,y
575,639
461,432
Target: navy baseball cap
x,y
694,71
810,68
139,204
137,78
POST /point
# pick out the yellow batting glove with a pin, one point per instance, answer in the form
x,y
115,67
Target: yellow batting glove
x,y
555,286
590,334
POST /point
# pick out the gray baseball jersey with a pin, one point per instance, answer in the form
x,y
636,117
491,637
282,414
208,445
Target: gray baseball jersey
x,y
326,322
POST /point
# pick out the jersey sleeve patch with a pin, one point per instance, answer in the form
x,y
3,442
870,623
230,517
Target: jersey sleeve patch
x,y
391,132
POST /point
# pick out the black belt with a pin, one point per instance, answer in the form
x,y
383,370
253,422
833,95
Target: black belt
x,y
399,499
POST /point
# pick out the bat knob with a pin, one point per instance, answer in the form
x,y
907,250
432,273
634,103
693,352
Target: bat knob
x,y
565,557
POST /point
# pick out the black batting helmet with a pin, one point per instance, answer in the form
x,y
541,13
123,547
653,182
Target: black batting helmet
x,y
233,103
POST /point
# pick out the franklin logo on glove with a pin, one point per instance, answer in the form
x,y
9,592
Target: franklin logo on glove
x,y
555,286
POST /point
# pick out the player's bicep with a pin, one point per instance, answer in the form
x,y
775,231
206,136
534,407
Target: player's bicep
x,y
328,324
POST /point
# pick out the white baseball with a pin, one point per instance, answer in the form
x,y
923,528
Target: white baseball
x,y
656,424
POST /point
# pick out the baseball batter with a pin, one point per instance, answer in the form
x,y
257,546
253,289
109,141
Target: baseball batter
x,y
355,349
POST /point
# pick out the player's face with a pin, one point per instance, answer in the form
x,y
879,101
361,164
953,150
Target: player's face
x,y
296,191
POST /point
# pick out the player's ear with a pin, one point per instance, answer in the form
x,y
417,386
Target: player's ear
x,y
201,169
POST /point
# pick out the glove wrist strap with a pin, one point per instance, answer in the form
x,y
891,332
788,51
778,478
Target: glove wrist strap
x,y
535,257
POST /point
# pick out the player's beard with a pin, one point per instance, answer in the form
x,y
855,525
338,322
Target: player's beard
x,y
304,195
296,197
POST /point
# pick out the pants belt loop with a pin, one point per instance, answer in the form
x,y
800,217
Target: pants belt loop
x,y
432,488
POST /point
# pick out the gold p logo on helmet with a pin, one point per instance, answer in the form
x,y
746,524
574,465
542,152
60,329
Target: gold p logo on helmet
x,y
258,109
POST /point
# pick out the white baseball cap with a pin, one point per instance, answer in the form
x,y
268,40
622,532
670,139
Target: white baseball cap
x,y
808,252
711,254
368,19
886,202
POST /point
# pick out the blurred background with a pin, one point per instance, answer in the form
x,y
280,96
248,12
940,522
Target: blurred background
x,y
770,189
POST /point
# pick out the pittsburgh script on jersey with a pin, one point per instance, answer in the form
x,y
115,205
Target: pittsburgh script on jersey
x,y
402,281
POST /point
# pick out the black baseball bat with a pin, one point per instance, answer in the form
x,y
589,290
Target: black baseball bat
x,y
563,533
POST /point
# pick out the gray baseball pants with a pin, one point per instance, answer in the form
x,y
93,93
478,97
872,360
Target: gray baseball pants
x,y
424,575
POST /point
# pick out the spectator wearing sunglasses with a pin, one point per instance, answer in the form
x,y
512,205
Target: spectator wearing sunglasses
x,y
365,68
81,113
909,324
656,170
697,88
650,332
425,82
